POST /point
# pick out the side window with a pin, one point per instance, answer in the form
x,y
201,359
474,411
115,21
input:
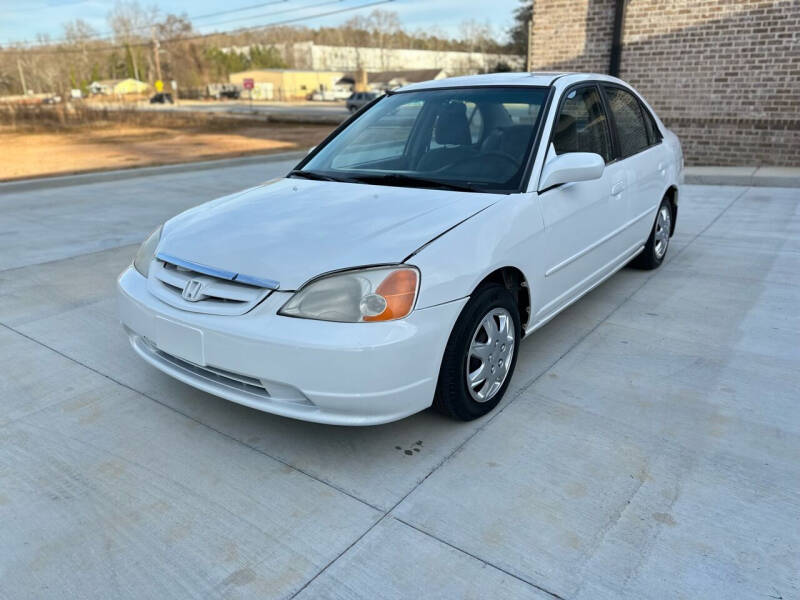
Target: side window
x,y
581,125
521,114
631,128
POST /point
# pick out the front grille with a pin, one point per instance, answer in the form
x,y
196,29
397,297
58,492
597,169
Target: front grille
x,y
167,281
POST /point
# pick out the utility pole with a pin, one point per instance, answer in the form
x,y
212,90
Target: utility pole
x,y
529,60
22,77
156,48
529,56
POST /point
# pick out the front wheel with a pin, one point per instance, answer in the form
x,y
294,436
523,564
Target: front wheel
x,y
657,244
480,355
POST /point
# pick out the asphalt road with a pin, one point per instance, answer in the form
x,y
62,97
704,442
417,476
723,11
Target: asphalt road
x,y
648,446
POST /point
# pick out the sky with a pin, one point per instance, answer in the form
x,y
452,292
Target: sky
x,y
22,20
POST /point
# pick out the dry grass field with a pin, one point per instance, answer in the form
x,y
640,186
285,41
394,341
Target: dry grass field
x,y
52,140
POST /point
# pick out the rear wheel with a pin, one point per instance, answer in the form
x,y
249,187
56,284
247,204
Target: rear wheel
x,y
657,244
480,356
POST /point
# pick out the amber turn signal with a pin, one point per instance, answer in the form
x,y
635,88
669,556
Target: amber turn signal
x,y
399,290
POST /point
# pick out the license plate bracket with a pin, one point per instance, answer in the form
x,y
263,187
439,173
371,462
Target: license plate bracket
x,y
180,340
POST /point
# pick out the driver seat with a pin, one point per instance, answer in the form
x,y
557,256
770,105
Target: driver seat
x,y
512,140
450,129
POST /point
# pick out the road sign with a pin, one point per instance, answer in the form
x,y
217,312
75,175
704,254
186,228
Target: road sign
x,y
248,84
159,85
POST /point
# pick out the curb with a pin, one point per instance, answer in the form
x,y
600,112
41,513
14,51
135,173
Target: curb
x,y
785,177
57,181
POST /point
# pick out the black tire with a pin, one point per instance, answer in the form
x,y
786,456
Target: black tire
x,y
453,397
652,256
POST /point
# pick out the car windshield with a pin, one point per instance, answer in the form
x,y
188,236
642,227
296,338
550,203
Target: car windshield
x,y
475,139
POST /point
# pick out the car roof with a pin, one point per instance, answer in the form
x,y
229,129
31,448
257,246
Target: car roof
x,y
540,79
532,79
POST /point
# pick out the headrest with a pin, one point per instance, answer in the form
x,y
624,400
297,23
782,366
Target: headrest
x,y
452,127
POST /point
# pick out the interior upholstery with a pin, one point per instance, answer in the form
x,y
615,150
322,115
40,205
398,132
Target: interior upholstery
x,y
512,140
452,126
451,129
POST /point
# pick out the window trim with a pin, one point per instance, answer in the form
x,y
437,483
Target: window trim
x,y
644,115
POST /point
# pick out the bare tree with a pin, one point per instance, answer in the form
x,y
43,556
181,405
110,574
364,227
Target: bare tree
x,y
130,23
476,37
80,36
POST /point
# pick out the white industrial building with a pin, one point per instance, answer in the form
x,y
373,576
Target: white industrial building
x,y
311,56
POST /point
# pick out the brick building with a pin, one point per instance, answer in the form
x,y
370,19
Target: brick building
x,y
723,74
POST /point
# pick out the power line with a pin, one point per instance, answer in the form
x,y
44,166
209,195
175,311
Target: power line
x,y
108,35
242,9
199,36
49,6
277,12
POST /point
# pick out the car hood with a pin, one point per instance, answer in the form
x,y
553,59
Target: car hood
x,y
291,230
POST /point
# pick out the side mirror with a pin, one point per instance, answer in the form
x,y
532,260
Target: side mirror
x,y
572,166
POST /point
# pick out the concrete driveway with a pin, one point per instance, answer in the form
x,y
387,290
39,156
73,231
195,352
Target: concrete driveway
x,y
649,446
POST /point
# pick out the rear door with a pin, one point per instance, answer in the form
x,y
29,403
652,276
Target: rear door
x,y
644,156
580,218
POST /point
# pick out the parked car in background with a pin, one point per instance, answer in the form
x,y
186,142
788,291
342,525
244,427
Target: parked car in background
x,y
358,100
219,91
403,260
331,95
161,98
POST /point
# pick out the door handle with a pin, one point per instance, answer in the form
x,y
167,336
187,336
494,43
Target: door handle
x,y
662,167
617,188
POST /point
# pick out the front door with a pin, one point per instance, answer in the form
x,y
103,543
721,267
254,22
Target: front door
x,y
580,218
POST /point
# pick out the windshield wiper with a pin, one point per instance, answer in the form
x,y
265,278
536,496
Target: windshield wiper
x,y
312,175
412,181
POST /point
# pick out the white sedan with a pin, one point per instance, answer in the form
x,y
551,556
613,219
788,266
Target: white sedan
x,y
404,259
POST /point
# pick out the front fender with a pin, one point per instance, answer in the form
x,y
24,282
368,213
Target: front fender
x,y
507,234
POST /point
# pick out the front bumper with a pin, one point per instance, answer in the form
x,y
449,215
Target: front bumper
x,y
335,373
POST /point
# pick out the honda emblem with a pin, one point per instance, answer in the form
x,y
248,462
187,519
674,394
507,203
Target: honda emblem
x,y
193,290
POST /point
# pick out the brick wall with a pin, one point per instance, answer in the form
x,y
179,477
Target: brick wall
x,y
573,34
723,74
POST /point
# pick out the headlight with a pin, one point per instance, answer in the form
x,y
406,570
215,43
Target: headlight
x,y
144,256
375,294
